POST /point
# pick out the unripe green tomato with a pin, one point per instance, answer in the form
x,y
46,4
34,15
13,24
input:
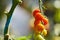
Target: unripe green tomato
x,y
57,17
38,37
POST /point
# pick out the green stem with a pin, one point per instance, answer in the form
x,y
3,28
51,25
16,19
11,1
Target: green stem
x,y
9,15
41,6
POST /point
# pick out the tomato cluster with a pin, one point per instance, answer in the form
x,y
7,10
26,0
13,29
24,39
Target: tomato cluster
x,y
40,22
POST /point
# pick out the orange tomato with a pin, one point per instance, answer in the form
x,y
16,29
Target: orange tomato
x,y
39,27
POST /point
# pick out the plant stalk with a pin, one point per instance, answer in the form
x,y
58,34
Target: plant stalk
x,y
9,16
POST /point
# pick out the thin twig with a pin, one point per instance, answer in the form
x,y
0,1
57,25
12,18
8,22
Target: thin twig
x,y
40,6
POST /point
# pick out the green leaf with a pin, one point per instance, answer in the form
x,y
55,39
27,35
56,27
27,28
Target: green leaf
x,y
23,38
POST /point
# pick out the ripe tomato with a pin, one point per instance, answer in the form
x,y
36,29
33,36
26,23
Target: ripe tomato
x,y
36,11
45,20
38,26
37,22
39,16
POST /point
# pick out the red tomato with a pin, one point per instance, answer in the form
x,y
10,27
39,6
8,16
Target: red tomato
x,y
36,11
45,20
36,22
38,26
39,16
